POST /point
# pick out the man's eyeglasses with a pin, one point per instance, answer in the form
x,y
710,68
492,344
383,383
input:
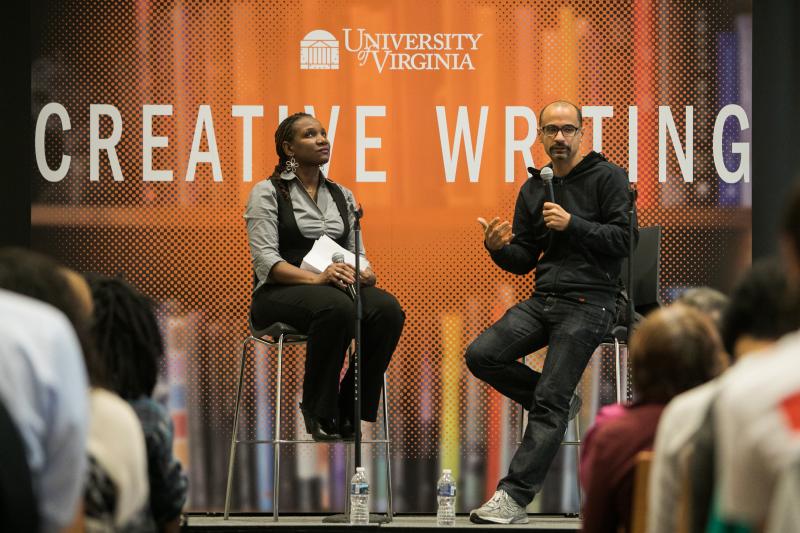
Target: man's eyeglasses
x,y
567,130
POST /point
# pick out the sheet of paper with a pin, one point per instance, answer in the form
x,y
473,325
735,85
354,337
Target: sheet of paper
x,y
320,255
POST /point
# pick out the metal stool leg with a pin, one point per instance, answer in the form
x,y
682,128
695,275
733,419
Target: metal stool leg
x,y
276,450
389,507
232,454
578,438
627,380
348,474
522,413
349,464
522,423
616,366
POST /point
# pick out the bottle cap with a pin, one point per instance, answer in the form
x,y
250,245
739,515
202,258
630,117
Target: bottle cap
x,y
447,471
360,469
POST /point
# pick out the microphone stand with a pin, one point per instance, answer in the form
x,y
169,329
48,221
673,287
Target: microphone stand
x,y
631,307
356,362
357,359
631,246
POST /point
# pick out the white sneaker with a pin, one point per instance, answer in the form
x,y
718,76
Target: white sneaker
x,y
500,509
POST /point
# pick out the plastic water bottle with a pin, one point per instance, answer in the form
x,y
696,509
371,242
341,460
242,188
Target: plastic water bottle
x,y
359,497
446,494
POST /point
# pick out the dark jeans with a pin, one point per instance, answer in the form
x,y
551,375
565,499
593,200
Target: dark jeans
x,y
572,331
326,314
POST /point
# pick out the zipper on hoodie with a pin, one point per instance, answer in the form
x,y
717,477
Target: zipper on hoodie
x,y
558,183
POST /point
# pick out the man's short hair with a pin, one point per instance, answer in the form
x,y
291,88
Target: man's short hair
x,y
564,103
708,301
759,306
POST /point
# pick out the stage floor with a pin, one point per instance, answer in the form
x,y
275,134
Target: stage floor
x,y
287,523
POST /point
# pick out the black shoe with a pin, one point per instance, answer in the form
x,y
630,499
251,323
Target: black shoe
x,y
346,429
320,429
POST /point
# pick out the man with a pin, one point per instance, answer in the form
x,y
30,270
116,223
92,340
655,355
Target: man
x,y
576,244
43,385
708,301
757,413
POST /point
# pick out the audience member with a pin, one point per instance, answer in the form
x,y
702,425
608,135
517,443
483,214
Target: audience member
x,y
19,510
708,301
128,338
682,473
711,303
673,350
784,513
41,278
43,385
759,312
757,412
115,488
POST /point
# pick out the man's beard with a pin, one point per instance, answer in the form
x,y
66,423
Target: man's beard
x,y
564,153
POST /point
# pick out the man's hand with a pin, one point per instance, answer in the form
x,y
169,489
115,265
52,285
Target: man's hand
x,y
495,235
555,217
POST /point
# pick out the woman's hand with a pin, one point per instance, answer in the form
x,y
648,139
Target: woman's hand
x,y
338,274
368,277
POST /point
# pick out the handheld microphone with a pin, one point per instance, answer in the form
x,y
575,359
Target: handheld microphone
x,y
338,257
547,178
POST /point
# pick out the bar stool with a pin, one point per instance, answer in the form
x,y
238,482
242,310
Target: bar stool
x,y
646,291
280,335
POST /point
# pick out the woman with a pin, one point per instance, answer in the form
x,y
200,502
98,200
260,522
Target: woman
x,y
675,349
285,214
127,336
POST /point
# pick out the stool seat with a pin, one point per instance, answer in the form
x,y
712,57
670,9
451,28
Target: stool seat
x,y
618,332
275,330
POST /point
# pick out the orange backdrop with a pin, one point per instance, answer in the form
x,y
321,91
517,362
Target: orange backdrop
x,y
184,242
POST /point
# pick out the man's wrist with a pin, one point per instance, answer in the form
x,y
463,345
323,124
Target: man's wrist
x,y
492,251
577,226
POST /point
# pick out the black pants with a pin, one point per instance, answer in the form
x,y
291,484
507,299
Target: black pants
x,y
326,314
572,331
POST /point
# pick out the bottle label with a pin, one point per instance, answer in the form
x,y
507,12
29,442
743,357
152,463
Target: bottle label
x,y
359,488
447,490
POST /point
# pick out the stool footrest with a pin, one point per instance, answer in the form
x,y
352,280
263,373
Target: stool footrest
x,y
311,441
287,341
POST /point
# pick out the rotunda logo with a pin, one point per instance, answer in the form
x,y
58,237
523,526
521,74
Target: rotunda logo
x,y
319,50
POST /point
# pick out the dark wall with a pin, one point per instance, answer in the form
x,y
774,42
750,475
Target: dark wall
x,y
776,116
16,135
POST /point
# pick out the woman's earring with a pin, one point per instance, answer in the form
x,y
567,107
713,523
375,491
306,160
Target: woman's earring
x,y
292,165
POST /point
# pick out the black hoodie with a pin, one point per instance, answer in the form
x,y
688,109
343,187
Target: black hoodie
x,y
583,261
